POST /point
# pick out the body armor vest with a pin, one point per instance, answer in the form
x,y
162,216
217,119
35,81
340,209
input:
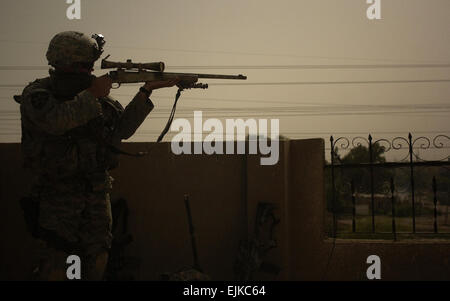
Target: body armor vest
x,y
84,151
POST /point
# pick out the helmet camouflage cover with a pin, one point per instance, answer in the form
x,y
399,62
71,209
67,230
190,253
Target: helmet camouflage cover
x,y
70,47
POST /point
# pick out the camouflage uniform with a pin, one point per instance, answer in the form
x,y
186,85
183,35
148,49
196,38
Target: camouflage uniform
x,y
68,143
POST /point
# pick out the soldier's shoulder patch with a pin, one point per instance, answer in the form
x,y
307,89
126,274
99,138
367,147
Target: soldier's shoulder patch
x,y
37,91
116,105
38,99
38,84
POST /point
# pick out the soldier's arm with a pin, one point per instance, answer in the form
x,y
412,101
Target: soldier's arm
x,y
55,117
133,116
138,109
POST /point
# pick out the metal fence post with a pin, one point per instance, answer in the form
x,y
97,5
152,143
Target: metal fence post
x,y
354,207
394,230
412,181
435,204
372,197
333,190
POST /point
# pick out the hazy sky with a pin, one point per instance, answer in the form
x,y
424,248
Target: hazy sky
x,y
256,33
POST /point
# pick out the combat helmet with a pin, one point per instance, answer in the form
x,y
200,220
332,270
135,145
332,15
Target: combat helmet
x,y
69,47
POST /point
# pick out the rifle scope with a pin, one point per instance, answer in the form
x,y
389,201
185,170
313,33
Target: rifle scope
x,y
157,66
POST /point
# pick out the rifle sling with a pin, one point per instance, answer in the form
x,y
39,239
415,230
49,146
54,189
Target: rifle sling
x,y
172,114
161,136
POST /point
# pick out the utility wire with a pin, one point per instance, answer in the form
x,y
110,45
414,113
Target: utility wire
x,y
297,107
333,82
317,104
320,83
327,134
162,115
300,83
280,67
300,109
24,68
336,133
229,52
258,101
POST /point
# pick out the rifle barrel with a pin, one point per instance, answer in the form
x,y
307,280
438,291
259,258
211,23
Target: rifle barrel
x,y
201,75
129,76
218,76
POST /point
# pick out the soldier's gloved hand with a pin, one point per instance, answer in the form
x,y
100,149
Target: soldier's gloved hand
x,y
157,84
101,86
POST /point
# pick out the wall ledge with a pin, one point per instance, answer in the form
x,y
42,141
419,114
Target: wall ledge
x,y
340,241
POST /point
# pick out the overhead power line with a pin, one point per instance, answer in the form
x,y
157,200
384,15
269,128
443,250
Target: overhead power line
x,y
309,103
24,68
413,108
250,67
189,114
299,103
336,133
233,52
321,83
259,101
263,67
269,105
301,83
334,82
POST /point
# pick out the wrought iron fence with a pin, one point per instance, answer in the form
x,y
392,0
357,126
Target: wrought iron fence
x,y
366,156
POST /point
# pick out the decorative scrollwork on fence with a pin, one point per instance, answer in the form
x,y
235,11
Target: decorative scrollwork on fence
x,y
399,143
382,140
441,145
438,144
396,143
425,144
344,144
355,142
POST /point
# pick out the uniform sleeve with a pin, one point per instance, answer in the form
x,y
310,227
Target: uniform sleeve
x,y
55,117
133,116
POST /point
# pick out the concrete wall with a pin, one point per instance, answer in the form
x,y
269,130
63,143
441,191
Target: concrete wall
x,y
224,192
154,187
15,256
